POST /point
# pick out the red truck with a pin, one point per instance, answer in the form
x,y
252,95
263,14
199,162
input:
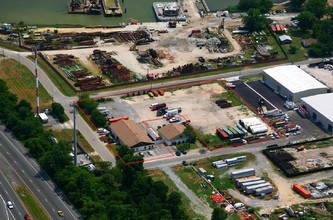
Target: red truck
x,y
158,106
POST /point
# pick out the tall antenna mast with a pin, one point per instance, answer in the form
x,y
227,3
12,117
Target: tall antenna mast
x,y
36,74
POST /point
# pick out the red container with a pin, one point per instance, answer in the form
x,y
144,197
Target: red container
x,y
301,191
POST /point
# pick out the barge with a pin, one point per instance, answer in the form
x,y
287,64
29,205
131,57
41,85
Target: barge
x,y
168,11
112,8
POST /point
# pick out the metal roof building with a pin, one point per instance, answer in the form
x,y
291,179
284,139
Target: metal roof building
x,y
292,83
320,108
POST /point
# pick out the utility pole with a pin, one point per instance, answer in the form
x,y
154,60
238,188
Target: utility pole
x,y
75,143
36,72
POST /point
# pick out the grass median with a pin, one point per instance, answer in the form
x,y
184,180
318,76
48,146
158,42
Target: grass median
x,y
31,204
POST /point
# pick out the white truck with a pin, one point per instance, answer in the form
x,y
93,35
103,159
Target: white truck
x,y
173,112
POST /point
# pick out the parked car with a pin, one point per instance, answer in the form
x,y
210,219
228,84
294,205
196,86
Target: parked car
x,y
175,119
178,153
141,154
184,152
184,163
150,153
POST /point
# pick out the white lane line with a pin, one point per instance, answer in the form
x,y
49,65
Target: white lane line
x,y
260,95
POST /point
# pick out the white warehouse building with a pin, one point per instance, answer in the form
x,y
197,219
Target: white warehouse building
x,y
292,83
320,109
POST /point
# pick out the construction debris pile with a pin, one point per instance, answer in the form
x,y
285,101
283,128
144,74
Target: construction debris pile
x,y
187,69
139,37
213,39
151,56
82,78
110,66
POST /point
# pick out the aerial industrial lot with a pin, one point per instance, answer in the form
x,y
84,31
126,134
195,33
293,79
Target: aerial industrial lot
x,y
183,103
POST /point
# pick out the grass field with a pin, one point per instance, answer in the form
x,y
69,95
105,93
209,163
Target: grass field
x,y
22,83
31,204
68,135
187,205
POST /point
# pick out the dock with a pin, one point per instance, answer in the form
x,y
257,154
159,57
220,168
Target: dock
x,y
112,8
168,11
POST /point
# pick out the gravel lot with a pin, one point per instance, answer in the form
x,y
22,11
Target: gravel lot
x,y
197,105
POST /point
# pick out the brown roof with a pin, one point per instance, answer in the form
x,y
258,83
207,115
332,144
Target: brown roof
x,y
130,133
171,131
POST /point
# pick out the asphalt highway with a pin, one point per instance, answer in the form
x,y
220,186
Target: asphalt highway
x,y
31,176
7,193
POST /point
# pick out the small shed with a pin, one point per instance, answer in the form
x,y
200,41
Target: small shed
x,y
43,117
285,39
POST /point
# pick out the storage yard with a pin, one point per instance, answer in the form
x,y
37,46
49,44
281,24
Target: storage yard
x,y
204,114
303,159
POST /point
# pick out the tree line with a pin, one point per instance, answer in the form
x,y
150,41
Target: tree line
x,y
121,192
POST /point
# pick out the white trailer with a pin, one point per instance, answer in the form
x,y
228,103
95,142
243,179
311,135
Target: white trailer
x,y
245,180
263,190
250,189
247,184
243,173
260,128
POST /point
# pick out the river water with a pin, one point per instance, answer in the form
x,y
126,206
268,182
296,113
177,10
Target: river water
x,y
49,12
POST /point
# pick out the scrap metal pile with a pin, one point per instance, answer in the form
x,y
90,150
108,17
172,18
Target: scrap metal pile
x,y
110,66
82,78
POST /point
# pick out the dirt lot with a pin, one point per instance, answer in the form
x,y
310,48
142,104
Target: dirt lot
x,y
203,112
310,158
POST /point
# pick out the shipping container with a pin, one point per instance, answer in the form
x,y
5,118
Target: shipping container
x,y
222,134
239,131
230,134
112,120
236,134
301,191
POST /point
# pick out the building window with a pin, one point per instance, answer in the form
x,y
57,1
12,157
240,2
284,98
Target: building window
x,y
314,116
329,128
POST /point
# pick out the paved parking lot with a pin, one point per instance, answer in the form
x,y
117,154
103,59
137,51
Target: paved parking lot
x,y
250,93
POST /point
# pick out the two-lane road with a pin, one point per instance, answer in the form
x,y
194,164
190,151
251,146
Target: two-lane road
x,y
31,175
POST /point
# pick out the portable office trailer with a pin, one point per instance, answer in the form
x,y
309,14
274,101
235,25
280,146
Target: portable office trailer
x,y
247,122
235,160
250,189
218,162
263,190
243,173
221,165
247,184
245,180
202,171
259,128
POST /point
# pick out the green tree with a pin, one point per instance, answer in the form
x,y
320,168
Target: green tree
x,y
317,7
56,159
219,214
255,21
306,20
59,112
296,5
292,49
190,134
263,5
87,104
97,118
